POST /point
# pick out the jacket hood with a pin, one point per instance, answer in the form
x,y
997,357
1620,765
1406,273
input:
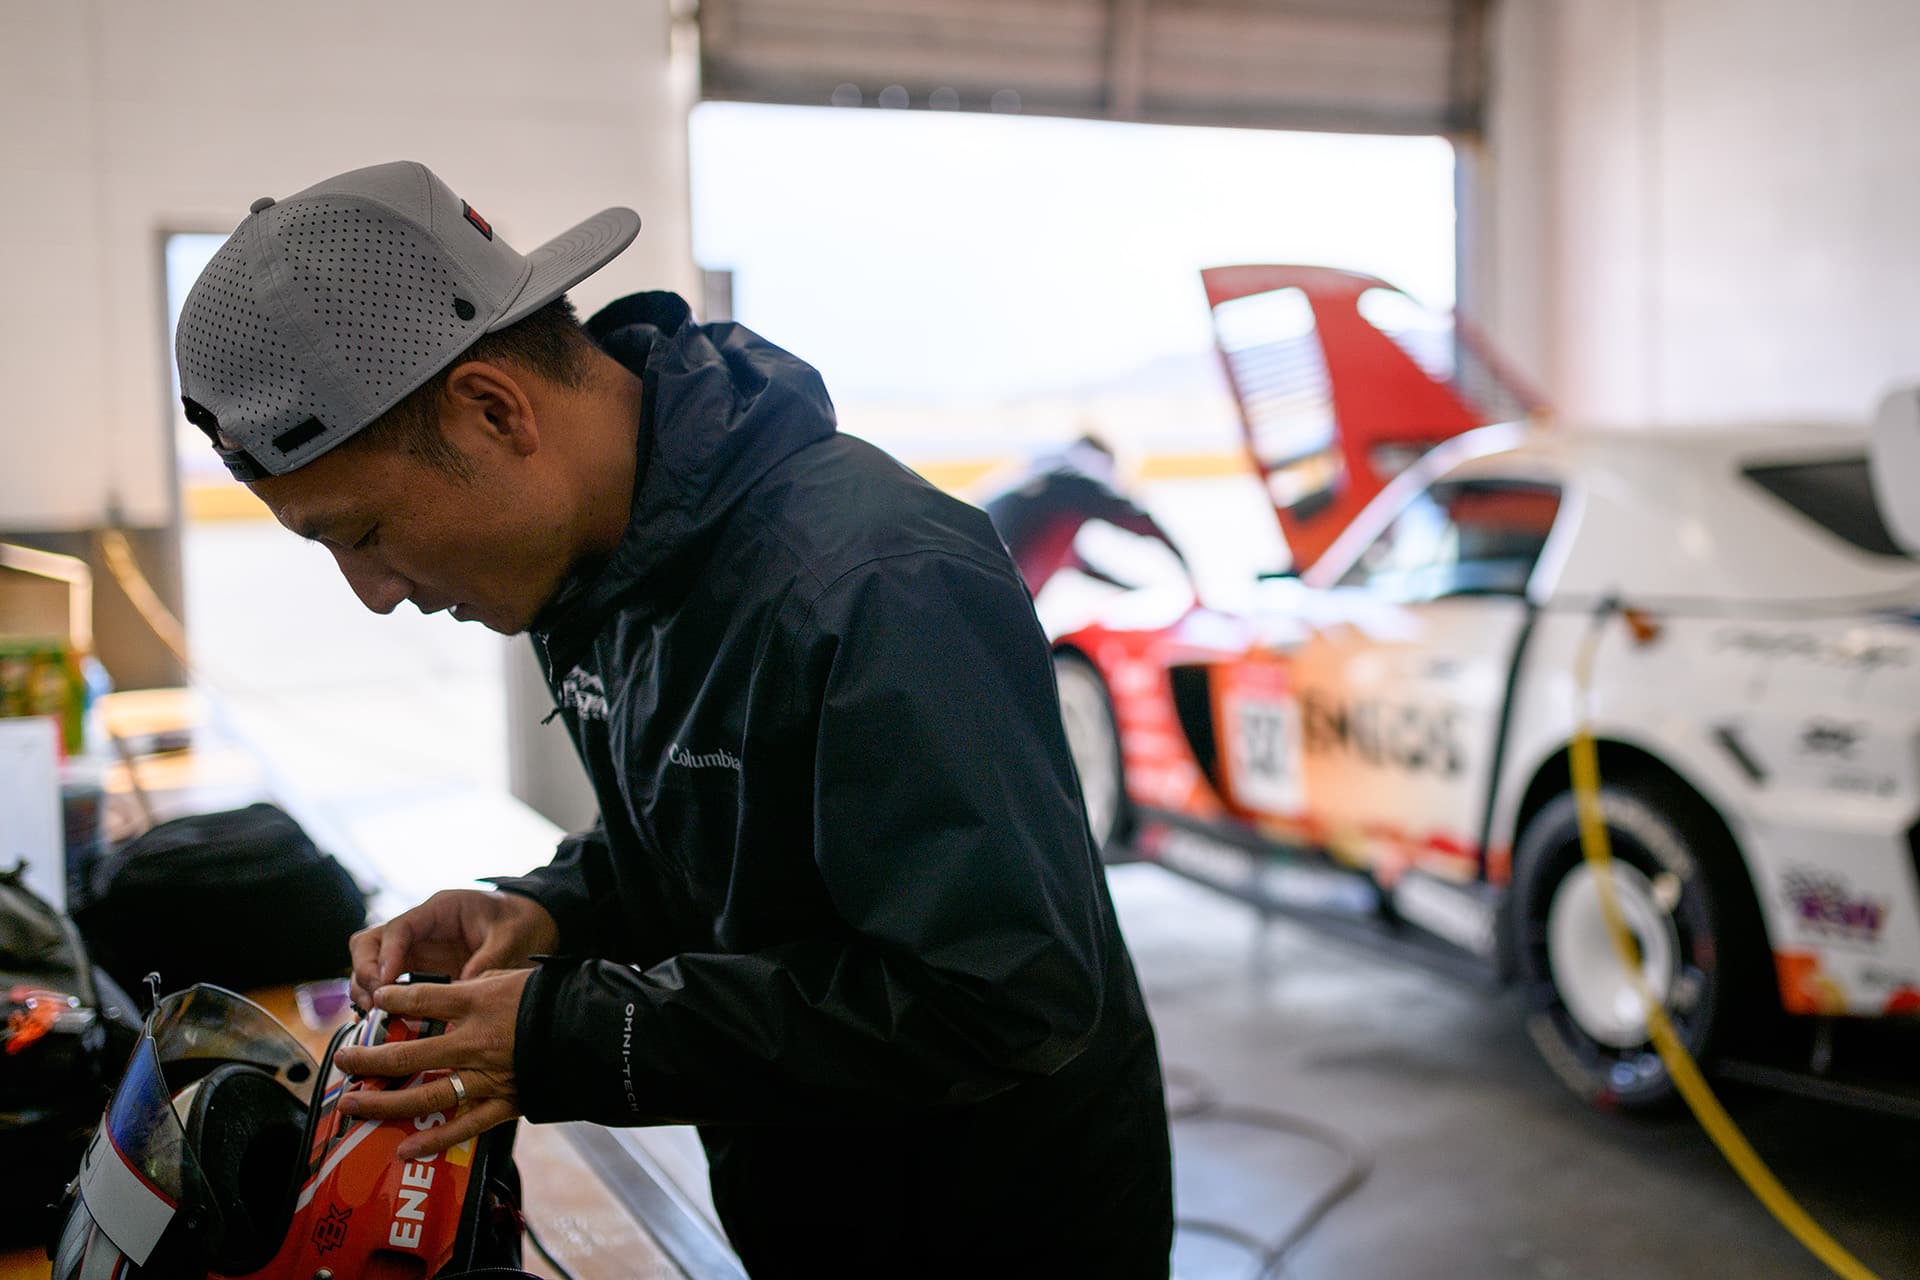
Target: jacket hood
x,y
722,406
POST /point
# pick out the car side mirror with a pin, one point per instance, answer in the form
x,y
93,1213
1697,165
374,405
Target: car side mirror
x,y
1894,464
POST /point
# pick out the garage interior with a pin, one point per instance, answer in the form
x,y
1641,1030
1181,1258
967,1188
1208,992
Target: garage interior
x,y
1672,216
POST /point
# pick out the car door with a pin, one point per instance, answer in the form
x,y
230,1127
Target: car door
x,y
1402,684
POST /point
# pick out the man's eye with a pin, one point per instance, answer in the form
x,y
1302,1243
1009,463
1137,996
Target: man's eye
x,y
368,539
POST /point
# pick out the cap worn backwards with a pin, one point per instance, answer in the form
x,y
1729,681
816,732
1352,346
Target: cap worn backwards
x,y
324,310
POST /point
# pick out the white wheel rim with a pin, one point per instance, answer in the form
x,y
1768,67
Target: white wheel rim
x,y
1090,740
1586,969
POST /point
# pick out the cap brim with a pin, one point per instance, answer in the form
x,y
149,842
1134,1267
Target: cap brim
x,y
569,258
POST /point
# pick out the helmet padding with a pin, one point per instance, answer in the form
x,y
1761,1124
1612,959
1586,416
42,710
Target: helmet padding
x,y
245,1130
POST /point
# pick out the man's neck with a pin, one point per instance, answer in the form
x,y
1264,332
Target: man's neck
x,y
616,397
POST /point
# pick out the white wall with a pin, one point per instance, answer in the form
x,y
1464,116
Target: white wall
x,y
1711,204
121,120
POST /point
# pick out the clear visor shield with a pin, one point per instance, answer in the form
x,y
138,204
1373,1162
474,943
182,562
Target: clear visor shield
x,y
140,1172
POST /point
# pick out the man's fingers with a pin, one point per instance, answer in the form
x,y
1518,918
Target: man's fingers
x,y
427,1097
394,944
396,1061
496,955
399,1104
444,1001
470,1123
363,952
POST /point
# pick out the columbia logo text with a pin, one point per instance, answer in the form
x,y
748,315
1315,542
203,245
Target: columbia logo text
x,y
721,759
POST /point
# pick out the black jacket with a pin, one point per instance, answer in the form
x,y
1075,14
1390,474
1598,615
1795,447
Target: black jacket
x,y
841,904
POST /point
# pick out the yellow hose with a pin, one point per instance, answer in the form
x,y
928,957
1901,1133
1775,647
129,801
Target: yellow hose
x,y
1706,1108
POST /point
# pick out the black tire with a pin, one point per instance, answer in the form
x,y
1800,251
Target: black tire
x,y
1093,740
1687,881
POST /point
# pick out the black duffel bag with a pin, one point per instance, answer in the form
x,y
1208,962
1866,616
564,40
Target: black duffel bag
x,y
239,899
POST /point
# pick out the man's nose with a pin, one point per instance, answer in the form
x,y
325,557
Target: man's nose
x,y
379,588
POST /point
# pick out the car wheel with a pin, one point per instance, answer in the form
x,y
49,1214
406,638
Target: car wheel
x,y
1684,896
1093,740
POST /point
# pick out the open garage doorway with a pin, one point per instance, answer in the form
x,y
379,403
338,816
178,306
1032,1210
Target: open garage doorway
x,y
974,289
978,289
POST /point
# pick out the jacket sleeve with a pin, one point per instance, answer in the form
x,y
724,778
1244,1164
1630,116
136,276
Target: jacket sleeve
x,y
949,838
576,888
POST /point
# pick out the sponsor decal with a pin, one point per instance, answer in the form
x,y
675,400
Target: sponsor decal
x,y
1317,889
1447,911
719,759
1887,979
1805,987
1403,736
1825,906
1863,784
583,694
1260,877
1833,739
1864,657
1897,990
1833,750
1202,857
330,1232
416,1185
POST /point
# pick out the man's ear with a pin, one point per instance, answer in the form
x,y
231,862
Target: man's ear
x,y
489,403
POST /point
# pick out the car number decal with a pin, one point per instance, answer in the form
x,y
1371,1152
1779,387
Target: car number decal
x,y
1264,754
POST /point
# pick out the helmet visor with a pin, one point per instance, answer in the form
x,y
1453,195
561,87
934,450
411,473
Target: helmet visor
x,y
140,1170
204,1027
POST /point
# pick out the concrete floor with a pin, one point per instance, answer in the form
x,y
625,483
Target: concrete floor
x,y
1483,1165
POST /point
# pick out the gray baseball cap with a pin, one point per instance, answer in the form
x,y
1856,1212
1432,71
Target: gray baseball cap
x,y
323,310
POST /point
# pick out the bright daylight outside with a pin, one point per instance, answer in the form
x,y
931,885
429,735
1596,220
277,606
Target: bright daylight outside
x,y
975,289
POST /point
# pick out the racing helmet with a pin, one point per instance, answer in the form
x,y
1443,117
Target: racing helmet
x,y
223,1154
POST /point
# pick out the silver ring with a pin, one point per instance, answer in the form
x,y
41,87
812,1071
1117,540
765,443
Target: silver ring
x,y
459,1088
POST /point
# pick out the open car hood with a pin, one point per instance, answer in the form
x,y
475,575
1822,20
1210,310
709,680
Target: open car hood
x,y
1341,381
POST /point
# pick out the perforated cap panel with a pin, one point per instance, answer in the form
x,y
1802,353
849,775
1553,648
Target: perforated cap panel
x,y
321,312
228,338
380,300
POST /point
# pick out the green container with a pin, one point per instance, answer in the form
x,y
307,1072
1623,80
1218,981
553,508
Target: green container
x,y
43,678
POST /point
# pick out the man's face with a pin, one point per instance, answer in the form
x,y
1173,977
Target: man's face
x,y
491,548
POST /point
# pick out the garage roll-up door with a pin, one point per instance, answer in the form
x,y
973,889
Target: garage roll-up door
x,y
1383,66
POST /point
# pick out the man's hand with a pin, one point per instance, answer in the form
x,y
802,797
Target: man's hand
x,y
478,1043
458,932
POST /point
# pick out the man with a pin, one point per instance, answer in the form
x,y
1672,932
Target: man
x,y
840,909
1040,514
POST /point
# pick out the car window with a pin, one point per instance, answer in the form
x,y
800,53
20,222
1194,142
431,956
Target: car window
x,y
1837,496
1461,537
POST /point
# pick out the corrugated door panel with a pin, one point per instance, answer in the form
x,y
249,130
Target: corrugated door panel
x,y
1395,66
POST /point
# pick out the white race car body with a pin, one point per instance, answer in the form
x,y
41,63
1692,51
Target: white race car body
x,y
1406,707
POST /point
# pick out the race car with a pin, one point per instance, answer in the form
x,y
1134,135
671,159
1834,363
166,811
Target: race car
x,y
1381,736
